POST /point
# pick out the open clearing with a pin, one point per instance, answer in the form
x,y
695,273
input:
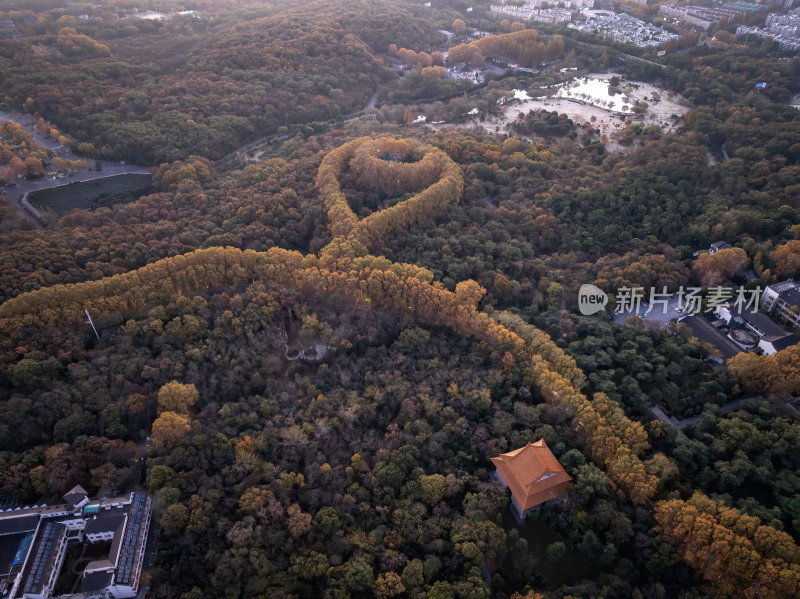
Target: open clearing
x,y
587,102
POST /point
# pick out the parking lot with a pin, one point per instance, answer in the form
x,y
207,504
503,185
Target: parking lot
x,y
658,315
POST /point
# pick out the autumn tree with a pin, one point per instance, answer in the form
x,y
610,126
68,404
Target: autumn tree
x,y
34,167
389,585
253,499
297,522
66,21
408,56
359,576
432,488
731,550
778,375
525,46
430,73
175,519
177,397
787,259
102,474
714,269
469,293
169,430
86,149
424,59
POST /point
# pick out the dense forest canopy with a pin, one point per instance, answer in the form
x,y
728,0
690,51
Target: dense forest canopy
x,y
309,352
149,91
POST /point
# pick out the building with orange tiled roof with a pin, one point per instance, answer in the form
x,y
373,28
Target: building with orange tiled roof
x,y
534,476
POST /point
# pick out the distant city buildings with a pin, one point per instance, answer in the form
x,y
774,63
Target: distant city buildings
x,y
541,10
737,327
747,7
552,15
736,330
462,71
34,543
528,13
702,17
8,29
784,29
622,27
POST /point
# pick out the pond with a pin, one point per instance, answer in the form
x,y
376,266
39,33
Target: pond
x,y
596,92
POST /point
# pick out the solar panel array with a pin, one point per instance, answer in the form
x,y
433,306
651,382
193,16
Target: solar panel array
x,y
136,520
51,538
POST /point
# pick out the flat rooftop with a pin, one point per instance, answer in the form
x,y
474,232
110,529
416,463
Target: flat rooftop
x,y
9,545
104,523
791,296
706,333
783,286
32,541
26,523
96,581
43,557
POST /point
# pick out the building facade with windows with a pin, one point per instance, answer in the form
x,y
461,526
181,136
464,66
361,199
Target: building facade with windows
x,y
782,302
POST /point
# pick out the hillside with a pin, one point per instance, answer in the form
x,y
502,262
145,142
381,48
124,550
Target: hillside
x,y
310,355
148,91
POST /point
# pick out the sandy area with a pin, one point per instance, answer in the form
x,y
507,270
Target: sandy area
x,y
583,112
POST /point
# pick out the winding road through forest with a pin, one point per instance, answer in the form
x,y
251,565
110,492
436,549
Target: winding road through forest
x,y
231,158
15,195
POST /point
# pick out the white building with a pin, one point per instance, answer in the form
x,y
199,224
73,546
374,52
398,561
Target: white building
x,y
782,301
772,337
34,541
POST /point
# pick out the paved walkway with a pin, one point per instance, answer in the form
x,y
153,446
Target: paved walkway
x,y
661,415
659,315
236,156
727,408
